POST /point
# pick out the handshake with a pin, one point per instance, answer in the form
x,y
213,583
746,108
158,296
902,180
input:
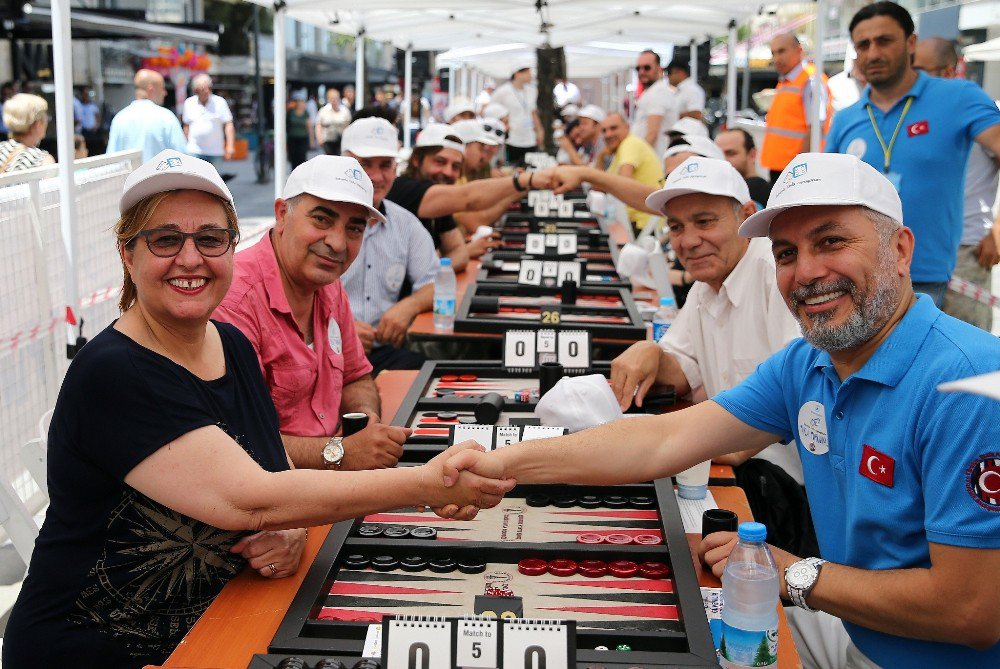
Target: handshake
x,y
464,479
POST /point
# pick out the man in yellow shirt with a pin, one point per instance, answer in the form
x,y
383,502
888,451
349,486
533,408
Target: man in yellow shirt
x,y
632,157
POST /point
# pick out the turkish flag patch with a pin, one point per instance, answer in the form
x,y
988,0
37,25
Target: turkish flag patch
x,y
983,481
918,128
877,466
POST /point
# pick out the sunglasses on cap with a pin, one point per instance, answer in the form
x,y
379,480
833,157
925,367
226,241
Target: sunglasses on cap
x,y
210,242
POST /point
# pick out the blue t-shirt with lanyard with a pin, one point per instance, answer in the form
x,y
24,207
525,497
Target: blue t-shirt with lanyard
x,y
922,146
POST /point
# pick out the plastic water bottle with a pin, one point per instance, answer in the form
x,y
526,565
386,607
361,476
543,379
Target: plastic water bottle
x,y
444,297
664,317
749,602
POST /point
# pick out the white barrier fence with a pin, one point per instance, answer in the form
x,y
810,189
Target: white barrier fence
x,y
33,300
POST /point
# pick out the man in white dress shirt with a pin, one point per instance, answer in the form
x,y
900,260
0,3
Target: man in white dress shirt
x,y
208,123
734,317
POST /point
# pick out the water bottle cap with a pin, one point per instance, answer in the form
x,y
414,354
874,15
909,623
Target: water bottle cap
x,y
666,301
445,262
752,532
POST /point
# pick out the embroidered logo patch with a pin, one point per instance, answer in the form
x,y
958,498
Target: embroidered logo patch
x,y
877,466
918,128
982,480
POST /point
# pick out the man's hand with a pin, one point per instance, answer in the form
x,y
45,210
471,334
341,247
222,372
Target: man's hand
x,y
986,252
634,372
542,179
714,551
230,150
366,333
477,247
566,178
450,489
378,446
394,324
281,548
467,456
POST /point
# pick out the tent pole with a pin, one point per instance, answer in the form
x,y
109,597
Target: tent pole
x,y
815,124
61,55
731,77
359,70
280,100
407,94
693,62
451,83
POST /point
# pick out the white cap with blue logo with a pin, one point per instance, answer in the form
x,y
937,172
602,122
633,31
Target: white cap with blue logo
x,y
701,175
818,179
171,170
371,137
333,178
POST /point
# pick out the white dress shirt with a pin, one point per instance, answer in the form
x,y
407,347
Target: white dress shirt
x,y
660,99
720,338
692,96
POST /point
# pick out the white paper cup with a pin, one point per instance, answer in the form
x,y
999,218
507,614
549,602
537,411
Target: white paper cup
x,y
693,483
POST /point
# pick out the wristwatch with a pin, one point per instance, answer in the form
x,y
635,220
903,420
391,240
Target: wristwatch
x,y
333,452
800,578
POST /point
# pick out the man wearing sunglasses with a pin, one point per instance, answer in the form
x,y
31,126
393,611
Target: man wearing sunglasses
x,y
287,299
658,107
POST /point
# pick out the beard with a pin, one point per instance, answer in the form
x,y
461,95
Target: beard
x,y
871,309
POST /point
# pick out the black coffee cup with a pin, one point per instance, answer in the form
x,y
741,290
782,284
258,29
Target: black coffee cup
x,y
718,520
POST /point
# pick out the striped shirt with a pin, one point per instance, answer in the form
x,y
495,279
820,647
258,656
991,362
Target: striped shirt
x,y
26,158
390,254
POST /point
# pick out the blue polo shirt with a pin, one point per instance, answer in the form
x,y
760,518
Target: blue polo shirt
x,y
930,155
890,463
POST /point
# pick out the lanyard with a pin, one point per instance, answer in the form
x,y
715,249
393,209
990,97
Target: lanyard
x,y
887,150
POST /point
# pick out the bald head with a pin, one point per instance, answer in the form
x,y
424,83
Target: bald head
x,y
149,85
936,56
786,53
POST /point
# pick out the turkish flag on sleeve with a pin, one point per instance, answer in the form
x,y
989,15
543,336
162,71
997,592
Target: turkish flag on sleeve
x,y
877,466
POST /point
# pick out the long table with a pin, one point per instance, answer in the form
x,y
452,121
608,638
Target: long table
x,y
244,617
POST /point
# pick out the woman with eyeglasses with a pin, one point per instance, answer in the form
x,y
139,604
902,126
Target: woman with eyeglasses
x,y
27,119
166,471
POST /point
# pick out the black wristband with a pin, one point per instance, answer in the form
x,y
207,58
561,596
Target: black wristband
x,y
517,184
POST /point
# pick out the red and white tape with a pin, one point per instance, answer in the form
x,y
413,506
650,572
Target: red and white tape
x,y
977,293
27,336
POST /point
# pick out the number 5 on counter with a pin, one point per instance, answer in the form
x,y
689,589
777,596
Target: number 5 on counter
x,y
476,644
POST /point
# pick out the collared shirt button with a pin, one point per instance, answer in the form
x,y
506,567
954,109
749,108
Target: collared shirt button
x,y
840,415
322,416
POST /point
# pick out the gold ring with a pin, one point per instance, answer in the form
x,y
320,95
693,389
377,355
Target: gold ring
x,y
274,570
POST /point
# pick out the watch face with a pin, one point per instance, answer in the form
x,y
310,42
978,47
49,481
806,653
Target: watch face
x,y
333,452
801,575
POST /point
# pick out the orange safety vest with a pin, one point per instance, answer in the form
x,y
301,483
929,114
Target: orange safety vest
x,y
787,122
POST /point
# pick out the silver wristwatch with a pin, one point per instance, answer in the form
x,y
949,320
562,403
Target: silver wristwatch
x,y
800,578
333,452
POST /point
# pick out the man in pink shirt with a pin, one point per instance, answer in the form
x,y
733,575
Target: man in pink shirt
x,y
287,299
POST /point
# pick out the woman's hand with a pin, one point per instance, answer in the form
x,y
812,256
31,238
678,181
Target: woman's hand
x,y
463,493
273,554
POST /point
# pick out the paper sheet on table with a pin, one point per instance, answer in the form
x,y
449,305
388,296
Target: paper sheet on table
x,y
373,642
691,510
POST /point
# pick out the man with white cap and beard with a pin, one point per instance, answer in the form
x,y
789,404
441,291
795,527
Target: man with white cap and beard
x,y
908,530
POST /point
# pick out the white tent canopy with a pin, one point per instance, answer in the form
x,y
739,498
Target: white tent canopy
x,y
592,59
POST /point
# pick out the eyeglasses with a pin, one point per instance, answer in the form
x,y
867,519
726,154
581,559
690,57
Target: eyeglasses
x,y
643,68
210,242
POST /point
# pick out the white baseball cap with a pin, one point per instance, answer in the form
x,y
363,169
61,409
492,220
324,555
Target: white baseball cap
x,y
495,128
495,110
701,175
812,179
593,112
458,106
370,137
570,111
697,144
690,126
471,130
579,402
333,178
172,170
437,134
